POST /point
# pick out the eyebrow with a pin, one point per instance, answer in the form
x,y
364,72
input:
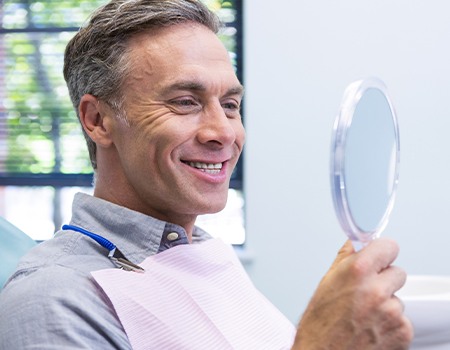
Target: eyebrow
x,y
199,87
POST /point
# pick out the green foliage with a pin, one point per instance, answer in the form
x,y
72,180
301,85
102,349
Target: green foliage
x,y
42,131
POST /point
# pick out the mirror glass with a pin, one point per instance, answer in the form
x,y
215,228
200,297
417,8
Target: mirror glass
x,y
364,160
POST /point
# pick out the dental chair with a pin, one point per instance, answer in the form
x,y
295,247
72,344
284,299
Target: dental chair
x,y
13,245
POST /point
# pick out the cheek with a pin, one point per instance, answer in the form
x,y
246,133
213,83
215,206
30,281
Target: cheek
x,y
240,134
159,144
132,146
168,135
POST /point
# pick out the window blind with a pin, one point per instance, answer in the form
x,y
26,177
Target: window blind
x,y
41,142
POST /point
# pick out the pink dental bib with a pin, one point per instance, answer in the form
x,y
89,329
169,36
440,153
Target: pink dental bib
x,y
194,296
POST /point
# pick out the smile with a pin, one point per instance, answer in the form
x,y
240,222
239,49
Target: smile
x,y
210,168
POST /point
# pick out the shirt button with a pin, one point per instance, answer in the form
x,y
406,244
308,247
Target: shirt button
x,y
172,236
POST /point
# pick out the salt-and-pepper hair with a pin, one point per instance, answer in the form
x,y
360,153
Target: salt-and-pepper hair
x,y
96,61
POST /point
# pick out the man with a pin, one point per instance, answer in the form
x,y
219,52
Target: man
x,y
159,104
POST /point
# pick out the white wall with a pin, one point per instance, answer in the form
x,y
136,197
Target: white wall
x,y
299,57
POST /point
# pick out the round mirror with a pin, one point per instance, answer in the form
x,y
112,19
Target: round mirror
x,y
364,160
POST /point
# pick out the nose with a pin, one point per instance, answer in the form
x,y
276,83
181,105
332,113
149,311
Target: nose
x,y
216,129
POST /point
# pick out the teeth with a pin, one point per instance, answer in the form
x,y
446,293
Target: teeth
x,y
212,168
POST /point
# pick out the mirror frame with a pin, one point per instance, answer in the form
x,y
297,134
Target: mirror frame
x,y
343,122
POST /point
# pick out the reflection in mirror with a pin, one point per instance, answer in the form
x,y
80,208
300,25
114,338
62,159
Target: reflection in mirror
x,y
364,160
370,160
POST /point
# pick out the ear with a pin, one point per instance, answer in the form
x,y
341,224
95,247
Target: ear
x,y
94,120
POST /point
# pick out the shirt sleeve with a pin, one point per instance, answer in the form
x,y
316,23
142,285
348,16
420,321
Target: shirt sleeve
x,y
57,308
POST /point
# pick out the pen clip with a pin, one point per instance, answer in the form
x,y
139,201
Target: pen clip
x,y
126,265
120,260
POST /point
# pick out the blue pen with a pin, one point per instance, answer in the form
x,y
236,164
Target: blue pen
x,y
114,253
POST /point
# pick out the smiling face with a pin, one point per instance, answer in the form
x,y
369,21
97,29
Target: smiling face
x,y
182,100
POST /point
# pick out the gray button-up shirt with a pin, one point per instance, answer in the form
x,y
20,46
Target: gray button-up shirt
x,y
51,301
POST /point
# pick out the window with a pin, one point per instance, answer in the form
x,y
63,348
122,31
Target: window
x,y
43,156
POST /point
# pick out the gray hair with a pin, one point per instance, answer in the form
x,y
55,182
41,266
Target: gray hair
x,y
95,60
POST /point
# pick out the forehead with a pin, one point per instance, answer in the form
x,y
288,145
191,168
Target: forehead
x,y
182,49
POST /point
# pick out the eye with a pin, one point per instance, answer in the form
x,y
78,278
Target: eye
x,y
231,105
231,108
184,102
185,105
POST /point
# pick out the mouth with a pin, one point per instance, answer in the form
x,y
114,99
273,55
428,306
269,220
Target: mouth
x,y
209,168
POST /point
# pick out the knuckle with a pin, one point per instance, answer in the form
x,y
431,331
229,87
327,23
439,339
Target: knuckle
x,y
405,334
359,267
389,243
394,312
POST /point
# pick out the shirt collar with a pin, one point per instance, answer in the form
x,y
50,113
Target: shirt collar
x,y
136,235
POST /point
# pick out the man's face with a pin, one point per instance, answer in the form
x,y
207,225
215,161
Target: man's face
x,y
185,134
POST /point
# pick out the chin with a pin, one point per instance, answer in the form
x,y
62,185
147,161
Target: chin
x,y
213,207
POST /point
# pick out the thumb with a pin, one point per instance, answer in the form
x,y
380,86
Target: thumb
x,y
343,253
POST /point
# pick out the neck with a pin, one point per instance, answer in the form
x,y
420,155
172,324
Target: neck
x,y
111,193
112,185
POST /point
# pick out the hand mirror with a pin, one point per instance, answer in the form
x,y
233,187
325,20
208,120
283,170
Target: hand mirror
x,y
365,154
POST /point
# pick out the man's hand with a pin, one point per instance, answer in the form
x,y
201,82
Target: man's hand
x,y
354,306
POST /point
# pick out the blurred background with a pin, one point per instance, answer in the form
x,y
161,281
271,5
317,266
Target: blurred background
x,y
295,58
299,58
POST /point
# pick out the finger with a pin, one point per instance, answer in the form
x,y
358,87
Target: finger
x,y
392,278
345,251
379,254
395,324
408,329
400,301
